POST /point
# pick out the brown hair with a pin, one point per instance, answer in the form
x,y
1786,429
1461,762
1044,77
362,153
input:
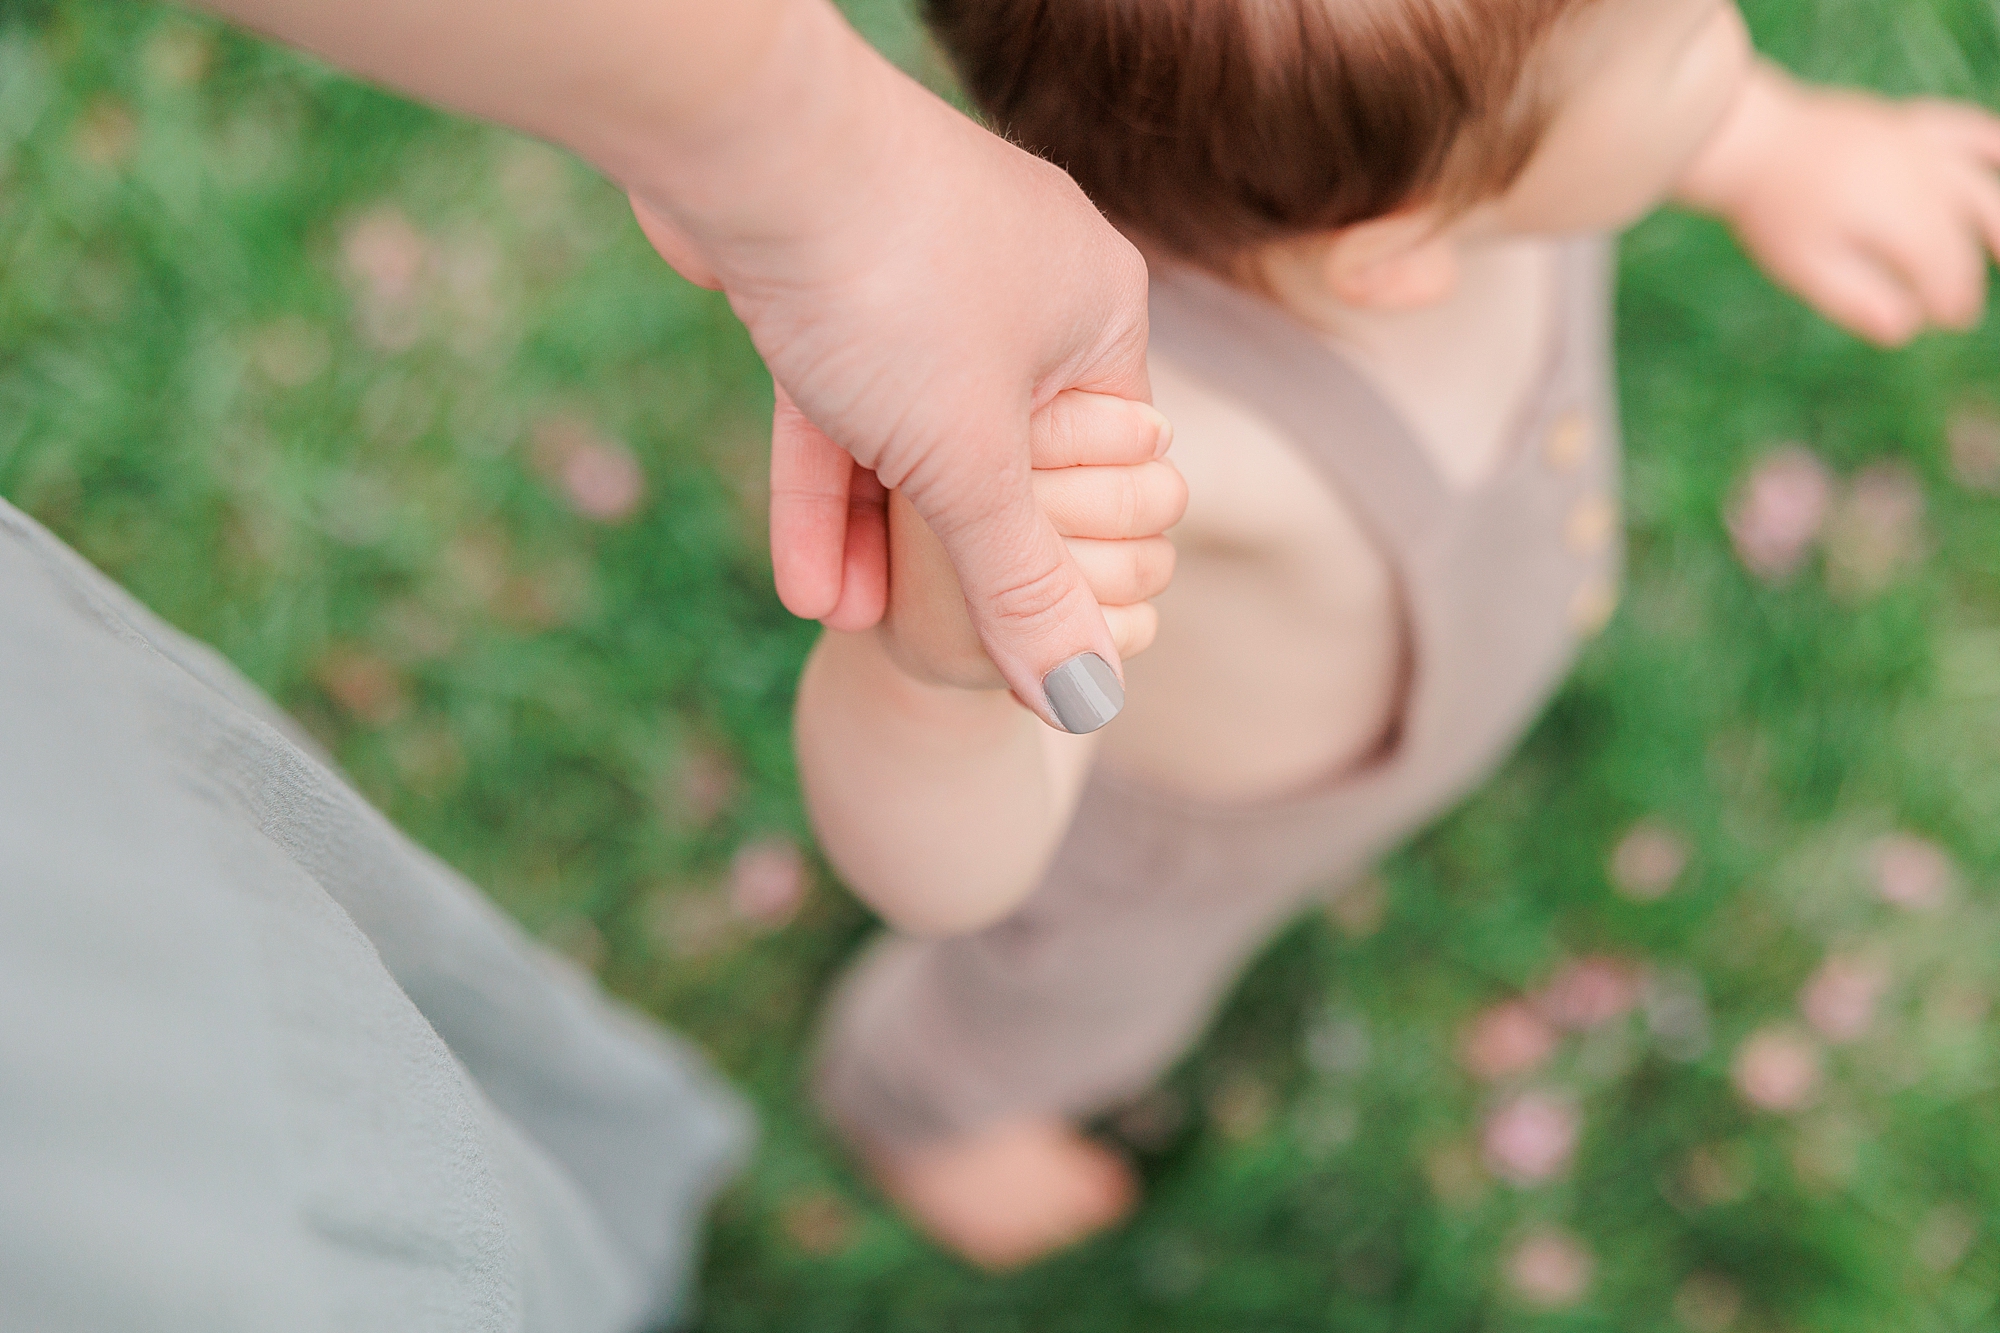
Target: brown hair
x,y
1209,127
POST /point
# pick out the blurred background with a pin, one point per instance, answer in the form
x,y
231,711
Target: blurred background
x,y
1684,1023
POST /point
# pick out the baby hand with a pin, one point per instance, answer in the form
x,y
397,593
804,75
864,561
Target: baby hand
x,y
1879,214
1102,478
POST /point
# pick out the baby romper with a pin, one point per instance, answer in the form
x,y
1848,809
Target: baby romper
x,y
1154,903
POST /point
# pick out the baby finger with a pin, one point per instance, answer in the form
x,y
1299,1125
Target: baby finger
x,y
1079,429
1133,628
1850,289
1112,502
1982,193
1972,129
1123,572
1939,262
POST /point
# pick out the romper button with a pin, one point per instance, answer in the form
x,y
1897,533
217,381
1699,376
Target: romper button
x,y
1590,609
1588,528
1568,443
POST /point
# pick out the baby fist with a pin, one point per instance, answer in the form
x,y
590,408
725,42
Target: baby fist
x,y
1103,482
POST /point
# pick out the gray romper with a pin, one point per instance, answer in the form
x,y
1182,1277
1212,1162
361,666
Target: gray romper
x,y
264,1064
1154,903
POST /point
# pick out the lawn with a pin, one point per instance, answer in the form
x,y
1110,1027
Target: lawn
x,y
1684,1022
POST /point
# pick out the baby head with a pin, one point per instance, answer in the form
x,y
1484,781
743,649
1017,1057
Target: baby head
x,y
1354,144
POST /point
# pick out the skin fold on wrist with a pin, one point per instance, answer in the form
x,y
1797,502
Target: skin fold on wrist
x,y
1729,164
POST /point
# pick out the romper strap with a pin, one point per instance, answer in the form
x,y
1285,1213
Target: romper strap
x,y
1258,355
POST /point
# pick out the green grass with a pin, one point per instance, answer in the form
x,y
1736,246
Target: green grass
x,y
589,718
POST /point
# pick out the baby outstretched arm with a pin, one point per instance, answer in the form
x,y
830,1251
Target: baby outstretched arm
x,y
1880,214
936,795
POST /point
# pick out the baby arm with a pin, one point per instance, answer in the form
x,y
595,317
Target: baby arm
x,y
1880,214
937,796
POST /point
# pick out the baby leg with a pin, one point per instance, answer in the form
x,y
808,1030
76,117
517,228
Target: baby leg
x,y
960,1068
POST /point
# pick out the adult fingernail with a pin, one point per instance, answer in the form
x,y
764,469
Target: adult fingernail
x,y
1084,692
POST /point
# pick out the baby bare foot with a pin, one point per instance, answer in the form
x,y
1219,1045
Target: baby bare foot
x,y
1008,1195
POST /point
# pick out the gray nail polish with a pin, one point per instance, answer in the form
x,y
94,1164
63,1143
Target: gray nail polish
x,y
1084,692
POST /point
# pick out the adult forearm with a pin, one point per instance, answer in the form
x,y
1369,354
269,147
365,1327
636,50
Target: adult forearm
x,y
939,806
568,71
671,98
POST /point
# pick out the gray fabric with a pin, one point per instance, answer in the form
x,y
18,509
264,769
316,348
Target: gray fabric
x,y
264,1063
1154,903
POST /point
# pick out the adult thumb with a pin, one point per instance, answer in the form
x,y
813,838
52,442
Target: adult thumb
x,y
1029,602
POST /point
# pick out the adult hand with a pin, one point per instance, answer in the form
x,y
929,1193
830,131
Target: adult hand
x,y
920,308
921,290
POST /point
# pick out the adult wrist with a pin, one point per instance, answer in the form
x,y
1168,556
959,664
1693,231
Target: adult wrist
x,y
773,150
